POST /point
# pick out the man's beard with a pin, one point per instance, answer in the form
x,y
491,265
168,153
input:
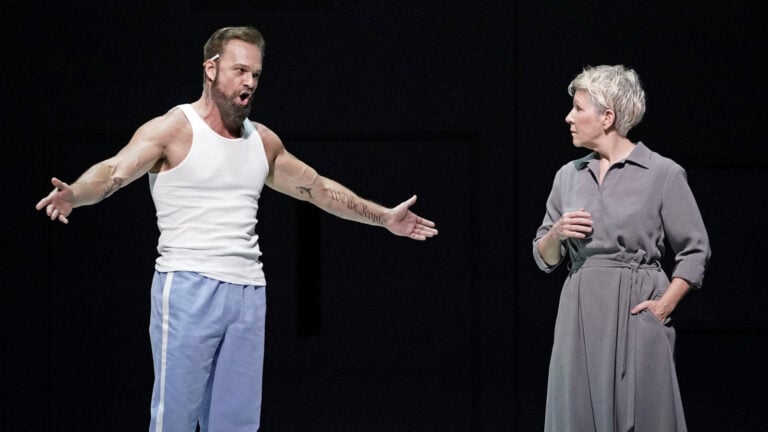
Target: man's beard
x,y
231,113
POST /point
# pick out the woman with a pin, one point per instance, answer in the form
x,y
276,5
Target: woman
x,y
612,366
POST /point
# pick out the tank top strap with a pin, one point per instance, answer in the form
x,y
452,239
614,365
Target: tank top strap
x,y
192,116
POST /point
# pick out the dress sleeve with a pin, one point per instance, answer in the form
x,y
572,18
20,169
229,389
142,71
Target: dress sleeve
x,y
554,212
684,228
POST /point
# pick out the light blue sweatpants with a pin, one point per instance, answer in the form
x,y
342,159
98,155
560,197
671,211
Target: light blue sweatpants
x,y
208,351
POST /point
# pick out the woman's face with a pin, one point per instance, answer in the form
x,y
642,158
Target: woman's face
x,y
586,121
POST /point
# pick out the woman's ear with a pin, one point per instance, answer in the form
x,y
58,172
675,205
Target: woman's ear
x,y
608,118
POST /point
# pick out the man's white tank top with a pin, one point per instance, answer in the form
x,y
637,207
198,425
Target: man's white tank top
x,y
207,205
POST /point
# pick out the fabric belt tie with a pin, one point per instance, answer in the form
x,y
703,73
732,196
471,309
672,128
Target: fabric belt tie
x,y
634,264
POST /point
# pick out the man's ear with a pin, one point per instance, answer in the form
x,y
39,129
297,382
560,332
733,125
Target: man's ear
x,y
210,69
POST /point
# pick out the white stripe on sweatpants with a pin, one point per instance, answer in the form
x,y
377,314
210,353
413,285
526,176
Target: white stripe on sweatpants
x,y
164,349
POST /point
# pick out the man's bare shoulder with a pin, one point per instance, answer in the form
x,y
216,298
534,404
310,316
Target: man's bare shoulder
x,y
170,134
166,127
272,143
266,133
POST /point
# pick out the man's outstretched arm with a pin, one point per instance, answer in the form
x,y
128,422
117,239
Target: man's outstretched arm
x,y
293,177
104,178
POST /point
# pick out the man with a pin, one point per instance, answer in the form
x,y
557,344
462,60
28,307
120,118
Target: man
x,y
207,164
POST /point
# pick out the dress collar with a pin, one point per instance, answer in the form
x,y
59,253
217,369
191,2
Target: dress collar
x,y
640,156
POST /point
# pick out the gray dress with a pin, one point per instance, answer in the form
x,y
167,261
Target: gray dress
x,y
610,370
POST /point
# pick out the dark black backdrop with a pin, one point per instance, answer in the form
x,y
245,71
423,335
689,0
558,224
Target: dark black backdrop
x,y
459,102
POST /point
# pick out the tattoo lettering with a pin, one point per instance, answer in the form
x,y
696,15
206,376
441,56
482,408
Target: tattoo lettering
x,y
359,208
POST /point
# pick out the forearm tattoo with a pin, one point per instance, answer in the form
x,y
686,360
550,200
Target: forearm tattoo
x,y
113,184
305,190
360,208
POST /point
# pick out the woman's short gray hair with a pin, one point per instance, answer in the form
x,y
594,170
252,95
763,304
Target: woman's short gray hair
x,y
616,88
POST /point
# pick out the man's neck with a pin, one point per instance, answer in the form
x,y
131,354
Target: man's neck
x,y
209,112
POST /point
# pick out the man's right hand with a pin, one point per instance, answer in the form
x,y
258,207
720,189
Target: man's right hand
x,y
59,203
